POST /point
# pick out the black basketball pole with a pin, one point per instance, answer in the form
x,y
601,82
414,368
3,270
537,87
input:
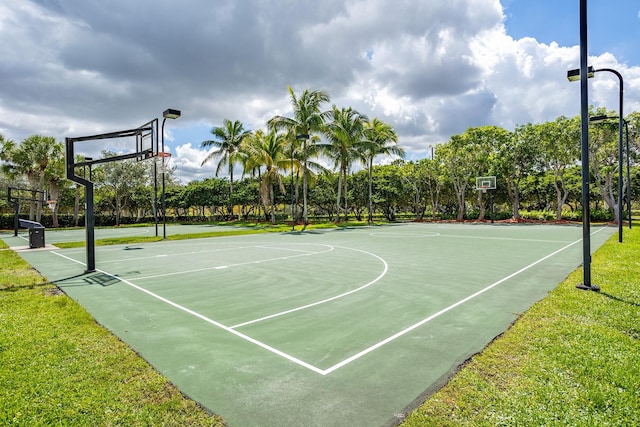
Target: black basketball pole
x,y
90,223
584,144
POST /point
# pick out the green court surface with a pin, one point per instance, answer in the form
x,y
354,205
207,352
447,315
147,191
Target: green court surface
x,y
340,327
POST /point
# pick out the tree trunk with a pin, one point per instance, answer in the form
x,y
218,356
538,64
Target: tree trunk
x,y
370,218
339,196
273,206
305,218
346,205
561,196
76,206
41,195
481,205
516,202
460,216
54,193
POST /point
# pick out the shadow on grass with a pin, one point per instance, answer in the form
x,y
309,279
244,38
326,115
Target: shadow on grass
x,y
615,298
88,279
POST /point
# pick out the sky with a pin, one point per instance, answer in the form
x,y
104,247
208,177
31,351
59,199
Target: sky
x,y
431,69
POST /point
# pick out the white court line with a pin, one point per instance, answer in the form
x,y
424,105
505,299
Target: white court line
x,y
177,254
210,321
444,310
358,355
404,235
282,313
220,267
513,239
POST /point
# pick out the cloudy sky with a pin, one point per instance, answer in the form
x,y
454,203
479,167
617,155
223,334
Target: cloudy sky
x,y
431,68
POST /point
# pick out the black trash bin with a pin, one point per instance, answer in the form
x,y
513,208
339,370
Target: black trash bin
x,y
36,237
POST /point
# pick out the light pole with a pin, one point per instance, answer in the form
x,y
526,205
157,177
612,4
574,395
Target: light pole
x,y
583,75
626,128
167,114
571,75
602,119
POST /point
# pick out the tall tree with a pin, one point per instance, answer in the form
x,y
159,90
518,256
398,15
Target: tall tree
x,y
457,161
484,142
379,139
226,146
307,119
267,150
122,180
560,151
603,148
345,133
518,156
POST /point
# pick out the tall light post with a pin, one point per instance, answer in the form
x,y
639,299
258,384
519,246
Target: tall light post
x,y
571,75
167,114
602,119
583,75
626,128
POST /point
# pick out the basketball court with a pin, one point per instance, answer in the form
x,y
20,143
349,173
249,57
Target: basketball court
x,y
326,327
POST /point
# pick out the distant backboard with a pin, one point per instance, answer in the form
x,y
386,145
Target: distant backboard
x,y
484,183
19,195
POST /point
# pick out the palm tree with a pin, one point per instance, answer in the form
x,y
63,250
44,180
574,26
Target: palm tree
x,y
379,138
268,151
307,119
345,131
226,143
31,158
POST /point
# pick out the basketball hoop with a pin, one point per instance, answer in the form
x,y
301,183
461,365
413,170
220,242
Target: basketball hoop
x,y
52,204
162,160
485,183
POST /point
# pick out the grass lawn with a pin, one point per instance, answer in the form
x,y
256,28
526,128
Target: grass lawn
x,y
58,367
573,359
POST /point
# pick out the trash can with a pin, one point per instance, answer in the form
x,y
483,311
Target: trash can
x,y
36,237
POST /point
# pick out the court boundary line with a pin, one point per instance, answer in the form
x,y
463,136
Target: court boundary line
x,y
354,357
445,310
508,239
208,320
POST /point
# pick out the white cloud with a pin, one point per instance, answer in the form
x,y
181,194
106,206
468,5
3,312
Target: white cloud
x,y
431,69
187,162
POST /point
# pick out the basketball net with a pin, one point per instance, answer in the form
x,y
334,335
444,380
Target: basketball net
x,y
163,160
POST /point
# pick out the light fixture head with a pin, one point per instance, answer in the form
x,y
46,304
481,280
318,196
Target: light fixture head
x,y
574,75
171,113
600,119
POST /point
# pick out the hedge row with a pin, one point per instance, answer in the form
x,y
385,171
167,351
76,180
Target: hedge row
x,y
7,220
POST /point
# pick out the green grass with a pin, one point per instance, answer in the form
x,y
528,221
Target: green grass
x,y
58,367
572,360
256,228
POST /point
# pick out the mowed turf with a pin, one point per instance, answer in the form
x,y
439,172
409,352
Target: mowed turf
x,y
332,327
